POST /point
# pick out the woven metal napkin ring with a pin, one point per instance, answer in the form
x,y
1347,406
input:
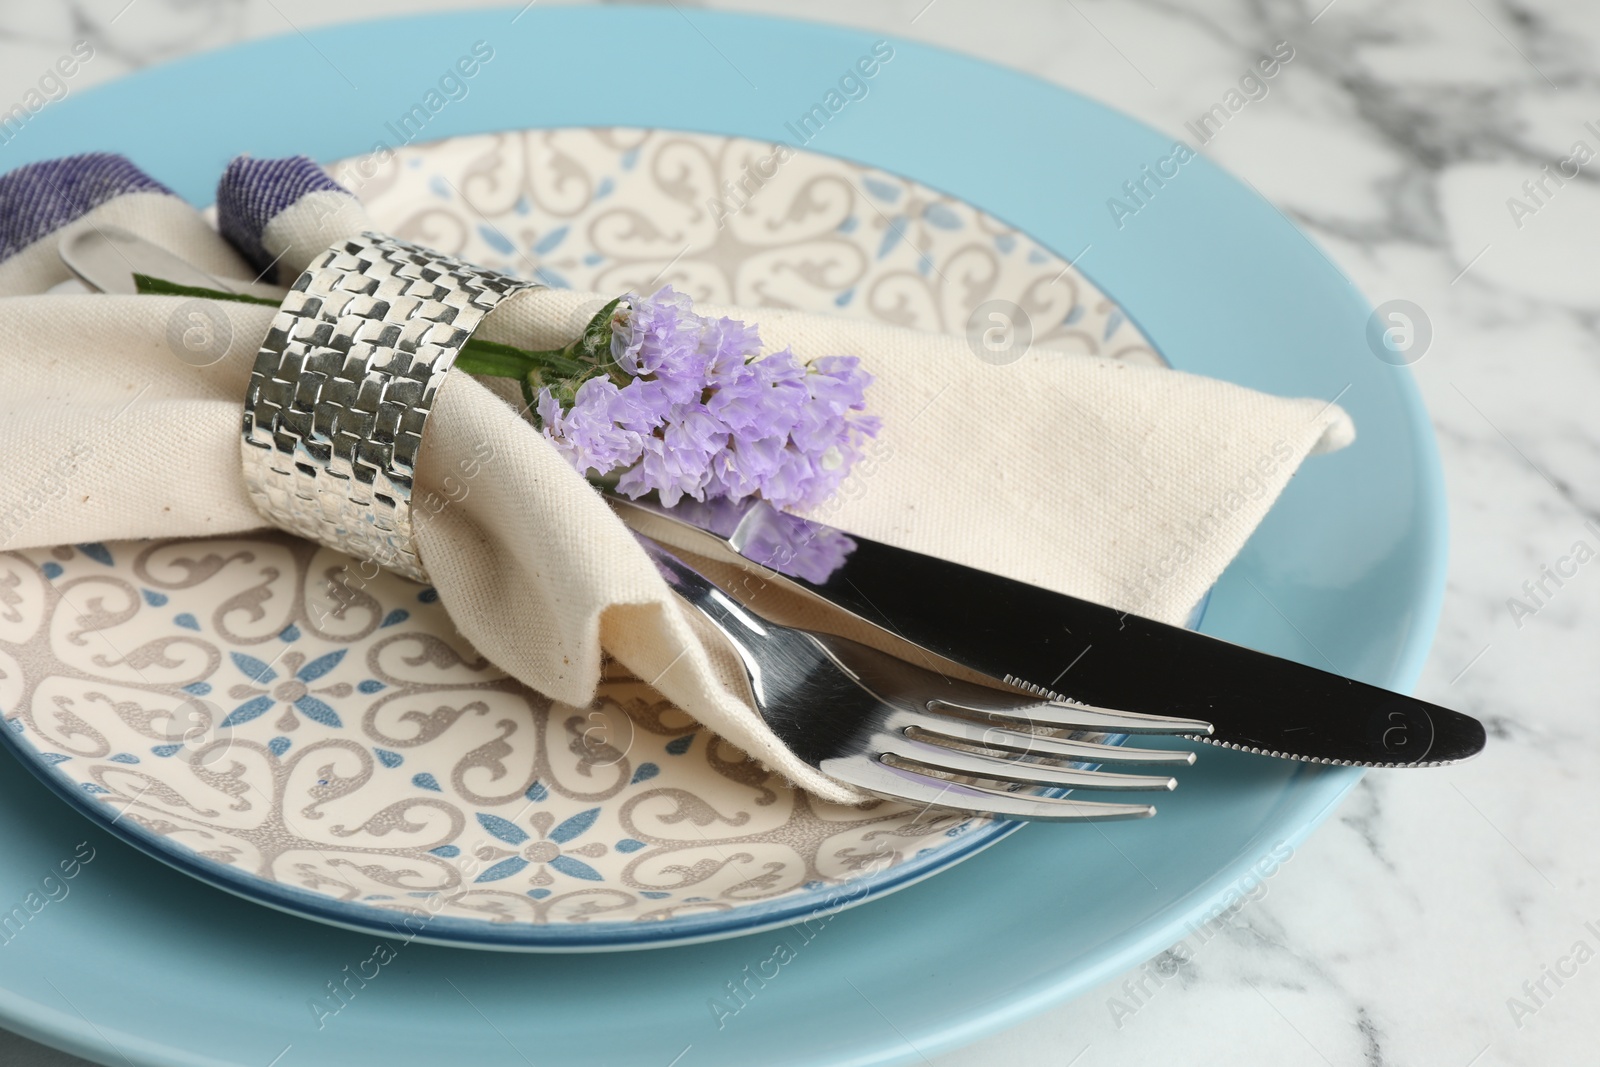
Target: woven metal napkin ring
x,y
343,384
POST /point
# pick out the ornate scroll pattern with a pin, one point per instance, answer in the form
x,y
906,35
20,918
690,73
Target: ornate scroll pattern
x,y
722,219
265,704
262,704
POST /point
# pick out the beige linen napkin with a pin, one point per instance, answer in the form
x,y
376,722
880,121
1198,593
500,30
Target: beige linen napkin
x,y
1126,485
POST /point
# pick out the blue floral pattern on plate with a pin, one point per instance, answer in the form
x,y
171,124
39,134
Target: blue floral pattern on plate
x,y
615,209
255,711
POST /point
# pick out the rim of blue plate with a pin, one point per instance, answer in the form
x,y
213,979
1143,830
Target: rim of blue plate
x,y
510,937
1212,240
485,934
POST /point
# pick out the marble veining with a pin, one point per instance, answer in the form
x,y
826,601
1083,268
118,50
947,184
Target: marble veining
x,y
1422,923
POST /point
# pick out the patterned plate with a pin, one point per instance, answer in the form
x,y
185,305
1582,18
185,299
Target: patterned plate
x,y
332,747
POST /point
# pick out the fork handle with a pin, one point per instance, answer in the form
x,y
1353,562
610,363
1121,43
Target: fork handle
x,y
726,613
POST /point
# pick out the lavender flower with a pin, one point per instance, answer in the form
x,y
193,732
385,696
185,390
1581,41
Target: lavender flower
x,y
592,434
686,406
660,339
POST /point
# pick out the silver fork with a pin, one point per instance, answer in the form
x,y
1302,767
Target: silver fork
x,y
900,731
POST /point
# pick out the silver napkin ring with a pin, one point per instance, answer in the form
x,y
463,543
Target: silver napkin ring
x,y
342,388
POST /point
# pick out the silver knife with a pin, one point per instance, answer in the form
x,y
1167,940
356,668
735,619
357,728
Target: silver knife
x,y
1026,635
105,258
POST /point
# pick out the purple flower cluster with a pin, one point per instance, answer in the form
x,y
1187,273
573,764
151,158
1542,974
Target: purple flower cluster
x,y
690,409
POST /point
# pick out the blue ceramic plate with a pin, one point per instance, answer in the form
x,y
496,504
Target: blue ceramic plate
x,y
526,824
130,962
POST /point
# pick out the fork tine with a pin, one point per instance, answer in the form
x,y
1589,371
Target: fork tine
x,y
970,733
900,749
1079,717
824,696
910,787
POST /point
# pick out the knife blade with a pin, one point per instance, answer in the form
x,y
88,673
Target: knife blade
x,y
105,258
1029,636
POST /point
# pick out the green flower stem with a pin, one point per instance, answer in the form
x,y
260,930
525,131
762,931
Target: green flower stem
x,y
148,286
587,356
489,358
496,360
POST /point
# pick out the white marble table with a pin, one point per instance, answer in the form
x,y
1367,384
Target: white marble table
x,y
1402,931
